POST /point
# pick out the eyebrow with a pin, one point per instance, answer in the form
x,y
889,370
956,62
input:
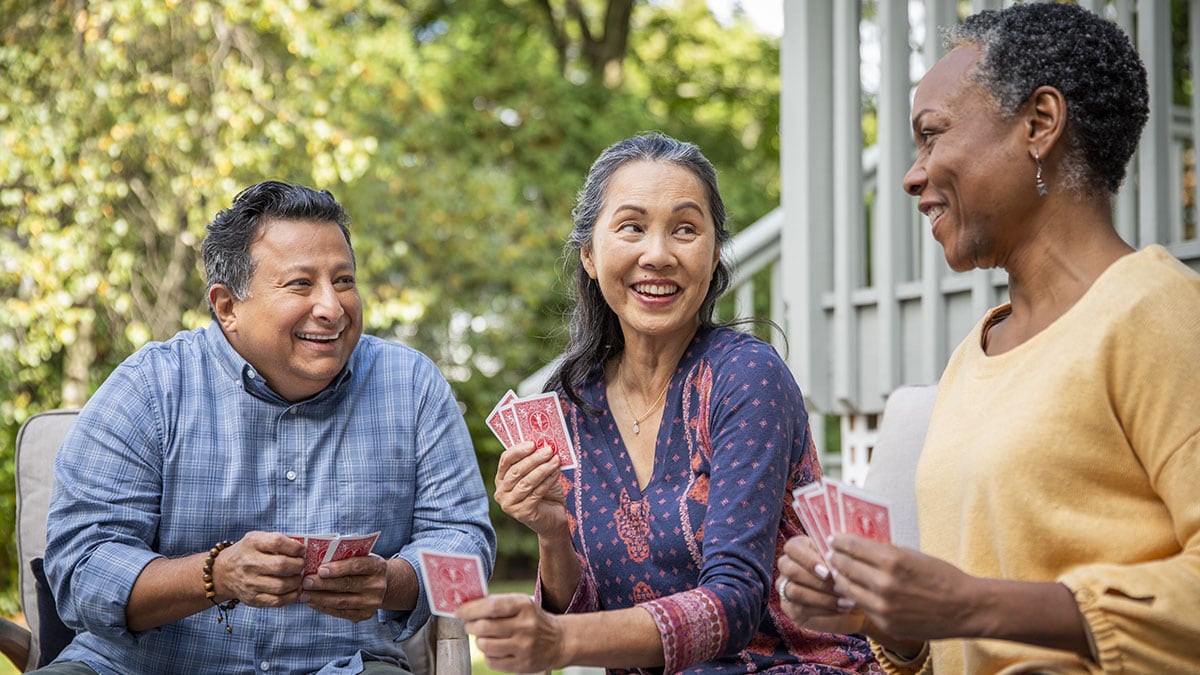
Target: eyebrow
x,y
689,204
916,118
303,268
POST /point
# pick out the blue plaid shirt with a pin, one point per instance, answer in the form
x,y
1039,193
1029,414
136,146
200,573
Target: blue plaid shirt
x,y
184,445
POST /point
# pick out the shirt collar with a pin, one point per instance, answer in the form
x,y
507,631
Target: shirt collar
x,y
240,371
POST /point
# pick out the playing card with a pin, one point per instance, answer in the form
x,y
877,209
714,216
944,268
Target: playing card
x,y
451,579
495,422
833,500
352,546
816,523
540,419
315,548
509,417
865,515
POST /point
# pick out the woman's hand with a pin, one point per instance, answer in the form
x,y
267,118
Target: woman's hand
x,y
806,591
514,634
527,489
905,595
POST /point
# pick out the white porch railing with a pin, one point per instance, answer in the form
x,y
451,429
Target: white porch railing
x,y
865,297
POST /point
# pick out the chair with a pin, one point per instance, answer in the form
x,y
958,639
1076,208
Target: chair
x,y
440,648
893,468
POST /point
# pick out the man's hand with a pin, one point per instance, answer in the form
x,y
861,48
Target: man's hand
x,y
351,589
263,569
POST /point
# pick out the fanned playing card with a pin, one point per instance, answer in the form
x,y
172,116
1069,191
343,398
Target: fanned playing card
x,y
830,507
316,547
865,514
540,419
352,546
495,421
451,579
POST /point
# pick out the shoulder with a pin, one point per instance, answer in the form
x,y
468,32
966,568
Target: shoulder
x,y
390,361
740,360
729,349
1153,287
167,360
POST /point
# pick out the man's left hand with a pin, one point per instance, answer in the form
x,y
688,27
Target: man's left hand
x,y
350,589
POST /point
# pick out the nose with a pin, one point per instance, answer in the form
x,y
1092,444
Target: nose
x,y
327,304
915,178
657,253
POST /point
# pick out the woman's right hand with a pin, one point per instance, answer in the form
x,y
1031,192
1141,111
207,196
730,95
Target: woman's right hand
x,y
806,592
528,489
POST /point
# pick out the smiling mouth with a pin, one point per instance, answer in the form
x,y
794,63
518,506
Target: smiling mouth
x,y
315,337
656,290
934,212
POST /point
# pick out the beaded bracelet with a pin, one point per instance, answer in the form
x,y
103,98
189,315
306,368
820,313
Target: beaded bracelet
x,y
210,591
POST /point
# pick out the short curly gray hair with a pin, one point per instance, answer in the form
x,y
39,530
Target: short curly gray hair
x,y
1087,58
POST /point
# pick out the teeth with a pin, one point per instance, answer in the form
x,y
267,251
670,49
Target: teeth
x,y
934,212
656,289
319,338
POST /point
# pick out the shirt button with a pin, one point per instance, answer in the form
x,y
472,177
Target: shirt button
x,y
251,374
264,665
291,475
295,411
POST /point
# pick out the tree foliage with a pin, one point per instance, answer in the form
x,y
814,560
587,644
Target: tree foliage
x,y
456,132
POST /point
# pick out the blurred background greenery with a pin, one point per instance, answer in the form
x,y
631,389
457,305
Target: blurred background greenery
x,y
456,132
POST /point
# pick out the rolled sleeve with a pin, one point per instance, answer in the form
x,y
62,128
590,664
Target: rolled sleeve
x,y
451,509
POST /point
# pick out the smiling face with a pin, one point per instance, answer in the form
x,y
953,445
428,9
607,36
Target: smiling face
x,y
303,315
973,173
654,249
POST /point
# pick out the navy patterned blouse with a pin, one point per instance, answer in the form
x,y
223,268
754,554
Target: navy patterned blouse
x,y
697,547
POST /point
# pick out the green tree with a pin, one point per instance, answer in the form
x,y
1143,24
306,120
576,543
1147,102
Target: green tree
x,y
126,124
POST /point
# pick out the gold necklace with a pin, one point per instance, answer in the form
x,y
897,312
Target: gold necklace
x,y
637,421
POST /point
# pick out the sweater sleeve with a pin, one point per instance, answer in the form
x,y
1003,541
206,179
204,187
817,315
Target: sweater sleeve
x,y
1139,617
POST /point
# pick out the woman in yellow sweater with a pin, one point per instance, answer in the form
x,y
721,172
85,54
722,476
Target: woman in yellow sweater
x,y
1059,486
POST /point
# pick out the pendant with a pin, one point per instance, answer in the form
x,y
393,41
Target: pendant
x,y
636,429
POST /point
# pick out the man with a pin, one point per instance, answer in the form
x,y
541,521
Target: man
x,y
176,491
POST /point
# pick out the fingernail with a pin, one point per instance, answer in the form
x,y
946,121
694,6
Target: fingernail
x,y
845,604
821,571
304,597
308,583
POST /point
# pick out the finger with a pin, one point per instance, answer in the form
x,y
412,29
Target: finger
x,y
529,471
808,574
494,607
511,456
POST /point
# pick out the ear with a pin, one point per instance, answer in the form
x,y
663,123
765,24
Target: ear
x,y
585,257
1046,120
223,304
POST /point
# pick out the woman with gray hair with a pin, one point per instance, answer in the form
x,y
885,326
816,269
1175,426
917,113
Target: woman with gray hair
x,y
659,549
1056,491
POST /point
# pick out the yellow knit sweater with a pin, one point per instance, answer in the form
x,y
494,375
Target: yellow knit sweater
x,y
1075,457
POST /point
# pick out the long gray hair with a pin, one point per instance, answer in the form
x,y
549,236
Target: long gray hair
x,y
594,330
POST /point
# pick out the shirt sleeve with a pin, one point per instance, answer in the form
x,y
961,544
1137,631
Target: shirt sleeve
x,y
751,427
104,507
451,509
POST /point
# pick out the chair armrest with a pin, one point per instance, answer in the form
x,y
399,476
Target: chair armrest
x,y
15,642
453,648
